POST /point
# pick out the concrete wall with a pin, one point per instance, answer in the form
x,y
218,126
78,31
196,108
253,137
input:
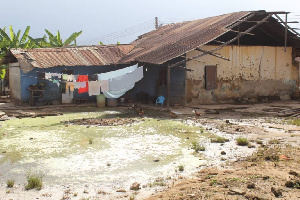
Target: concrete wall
x,y
254,73
15,83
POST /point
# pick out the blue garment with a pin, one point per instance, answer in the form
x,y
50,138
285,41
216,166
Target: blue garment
x,y
116,73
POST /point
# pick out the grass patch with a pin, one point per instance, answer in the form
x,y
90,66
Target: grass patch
x,y
157,182
219,140
34,181
242,141
91,141
10,183
295,122
197,147
181,168
213,182
259,142
274,141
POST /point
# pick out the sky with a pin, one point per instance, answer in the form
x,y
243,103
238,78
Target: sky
x,y
113,21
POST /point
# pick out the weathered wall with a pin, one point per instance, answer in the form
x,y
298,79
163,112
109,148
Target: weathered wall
x,y
253,73
15,83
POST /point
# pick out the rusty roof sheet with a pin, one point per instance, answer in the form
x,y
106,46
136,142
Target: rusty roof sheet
x,y
70,56
173,40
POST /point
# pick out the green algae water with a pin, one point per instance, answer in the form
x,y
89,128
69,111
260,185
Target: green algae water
x,y
108,155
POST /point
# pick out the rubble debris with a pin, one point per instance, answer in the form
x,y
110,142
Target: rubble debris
x,y
102,122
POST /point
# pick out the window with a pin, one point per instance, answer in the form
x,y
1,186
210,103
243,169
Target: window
x,y
210,77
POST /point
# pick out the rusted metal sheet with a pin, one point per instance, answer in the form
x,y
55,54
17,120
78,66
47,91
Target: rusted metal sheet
x,y
70,56
173,40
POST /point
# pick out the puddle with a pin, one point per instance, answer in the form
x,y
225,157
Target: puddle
x,y
113,156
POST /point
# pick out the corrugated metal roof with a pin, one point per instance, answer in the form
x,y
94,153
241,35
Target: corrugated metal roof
x,y
173,40
71,56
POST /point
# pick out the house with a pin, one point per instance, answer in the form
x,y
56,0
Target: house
x,y
28,66
249,56
238,57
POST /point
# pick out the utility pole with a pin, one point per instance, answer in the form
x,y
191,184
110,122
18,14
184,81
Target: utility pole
x,y
156,22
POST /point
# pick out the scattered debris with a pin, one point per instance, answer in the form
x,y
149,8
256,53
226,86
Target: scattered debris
x,y
102,122
135,186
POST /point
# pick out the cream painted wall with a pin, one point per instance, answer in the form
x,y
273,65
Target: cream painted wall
x,y
15,83
253,73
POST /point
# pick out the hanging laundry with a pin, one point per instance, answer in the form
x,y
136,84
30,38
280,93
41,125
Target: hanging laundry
x,y
64,77
57,82
123,81
77,85
104,86
94,88
116,73
70,78
118,93
48,76
62,87
70,86
55,75
85,79
75,77
93,77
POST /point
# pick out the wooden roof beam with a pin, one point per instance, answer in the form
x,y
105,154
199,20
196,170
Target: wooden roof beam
x,y
226,43
279,18
241,32
212,54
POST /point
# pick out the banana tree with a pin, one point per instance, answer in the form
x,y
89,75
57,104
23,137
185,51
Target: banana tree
x,y
56,40
13,40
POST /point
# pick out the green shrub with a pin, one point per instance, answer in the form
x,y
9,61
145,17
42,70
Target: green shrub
x,y
242,141
91,141
34,181
10,183
181,168
219,140
197,147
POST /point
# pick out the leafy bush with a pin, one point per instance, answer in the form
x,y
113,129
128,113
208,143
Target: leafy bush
x,y
34,181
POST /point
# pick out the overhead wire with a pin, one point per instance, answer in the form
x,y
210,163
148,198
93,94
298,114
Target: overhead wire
x,y
122,33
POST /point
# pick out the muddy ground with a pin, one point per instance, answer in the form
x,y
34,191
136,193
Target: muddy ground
x,y
266,168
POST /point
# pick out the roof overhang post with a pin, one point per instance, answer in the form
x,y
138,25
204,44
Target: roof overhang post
x,y
168,85
285,33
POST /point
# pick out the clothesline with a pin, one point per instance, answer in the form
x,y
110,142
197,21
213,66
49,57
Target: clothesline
x,y
113,84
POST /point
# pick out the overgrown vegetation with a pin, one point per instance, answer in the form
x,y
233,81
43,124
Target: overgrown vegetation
x,y
219,140
242,141
197,147
34,181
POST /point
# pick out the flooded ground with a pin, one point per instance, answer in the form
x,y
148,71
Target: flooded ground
x,y
102,162
112,157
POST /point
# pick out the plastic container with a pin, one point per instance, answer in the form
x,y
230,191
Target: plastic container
x,y
111,102
100,101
